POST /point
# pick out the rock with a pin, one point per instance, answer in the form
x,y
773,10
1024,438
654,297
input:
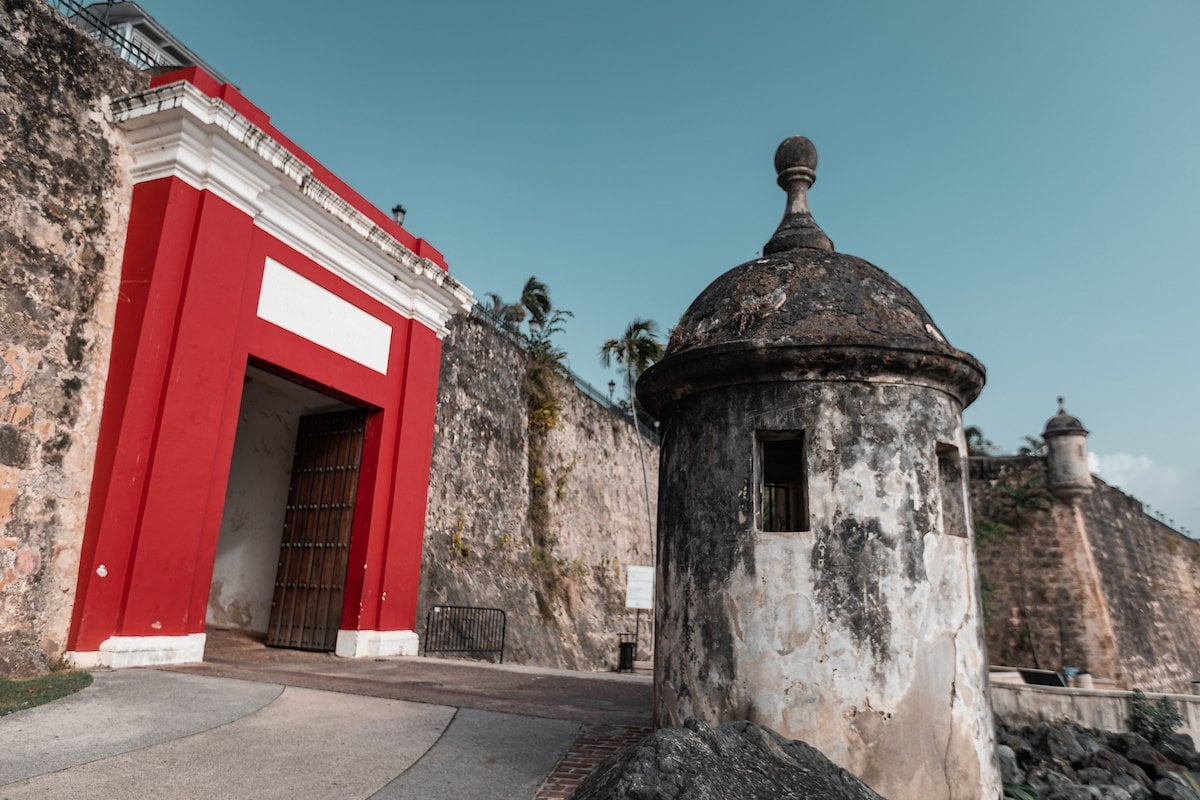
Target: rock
x,y
1089,743
1045,780
1014,738
1060,743
1122,742
736,760
1138,791
1010,772
1180,748
1174,788
1073,792
1114,793
1117,764
1153,762
1094,776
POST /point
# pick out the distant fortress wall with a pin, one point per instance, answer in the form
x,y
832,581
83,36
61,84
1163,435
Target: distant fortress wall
x,y
1044,604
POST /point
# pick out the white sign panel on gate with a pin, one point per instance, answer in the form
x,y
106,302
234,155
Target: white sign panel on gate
x,y
294,303
639,588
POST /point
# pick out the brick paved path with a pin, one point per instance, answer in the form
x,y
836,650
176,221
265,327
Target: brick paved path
x,y
595,743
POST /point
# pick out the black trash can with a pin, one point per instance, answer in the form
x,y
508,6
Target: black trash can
x,y
626,652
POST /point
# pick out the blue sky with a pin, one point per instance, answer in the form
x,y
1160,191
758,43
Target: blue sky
x,y
1030,170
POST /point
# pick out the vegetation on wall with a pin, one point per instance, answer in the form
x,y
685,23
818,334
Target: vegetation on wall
x,y
1014,502
459,550
545,370
536,324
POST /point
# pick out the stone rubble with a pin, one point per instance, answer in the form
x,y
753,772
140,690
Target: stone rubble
x,y
743,761
1067,762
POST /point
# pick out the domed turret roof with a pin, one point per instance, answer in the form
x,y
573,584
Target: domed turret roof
x,y
1062,423
808,296
806,310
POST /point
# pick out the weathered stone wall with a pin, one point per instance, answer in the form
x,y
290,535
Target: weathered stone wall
x,y
1150,575
558,573
64,203
1100,587
1039,602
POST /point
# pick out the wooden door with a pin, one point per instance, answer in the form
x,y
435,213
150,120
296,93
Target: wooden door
x,y
311,579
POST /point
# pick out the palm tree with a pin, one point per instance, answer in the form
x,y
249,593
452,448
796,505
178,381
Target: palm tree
x,y
546,360
1034,446
509,315
535,298
636,350
977,443
543,322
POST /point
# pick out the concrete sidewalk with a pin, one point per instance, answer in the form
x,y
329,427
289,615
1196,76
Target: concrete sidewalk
x,y
149,733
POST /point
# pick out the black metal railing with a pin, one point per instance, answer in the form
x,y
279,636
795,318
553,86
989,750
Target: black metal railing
x,y
465,629
94,22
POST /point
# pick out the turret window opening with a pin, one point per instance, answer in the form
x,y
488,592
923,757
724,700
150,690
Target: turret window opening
x,y
783,490
950,487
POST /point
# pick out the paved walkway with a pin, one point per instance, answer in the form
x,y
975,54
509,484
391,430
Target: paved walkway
x,y
313,726
599,697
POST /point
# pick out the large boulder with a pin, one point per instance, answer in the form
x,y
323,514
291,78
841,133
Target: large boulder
x,y
736,761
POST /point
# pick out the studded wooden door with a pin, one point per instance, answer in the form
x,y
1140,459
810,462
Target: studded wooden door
x,y
310,582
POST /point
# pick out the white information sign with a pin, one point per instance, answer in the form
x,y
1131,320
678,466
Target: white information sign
x,y
639,588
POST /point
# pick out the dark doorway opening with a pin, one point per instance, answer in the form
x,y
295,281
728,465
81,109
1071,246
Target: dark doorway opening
x,y
257,511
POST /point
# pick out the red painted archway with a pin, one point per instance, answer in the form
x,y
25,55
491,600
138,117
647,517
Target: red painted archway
x,y
242,248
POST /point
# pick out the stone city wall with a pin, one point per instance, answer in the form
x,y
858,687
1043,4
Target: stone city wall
x,y
1150,575
557,566
64,204
1102,587
1036,601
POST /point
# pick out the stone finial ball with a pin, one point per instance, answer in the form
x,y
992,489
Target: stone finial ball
x,y
796,151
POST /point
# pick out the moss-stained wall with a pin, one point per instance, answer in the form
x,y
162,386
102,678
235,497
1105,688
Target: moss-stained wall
x,y
559,572
1101,586
64,202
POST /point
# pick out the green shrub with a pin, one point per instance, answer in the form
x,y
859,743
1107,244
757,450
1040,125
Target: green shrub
x,y
1154,720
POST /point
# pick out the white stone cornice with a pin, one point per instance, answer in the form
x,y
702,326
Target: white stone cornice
x,y
178,131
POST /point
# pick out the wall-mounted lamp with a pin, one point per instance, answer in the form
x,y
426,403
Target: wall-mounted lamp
x,y
398,212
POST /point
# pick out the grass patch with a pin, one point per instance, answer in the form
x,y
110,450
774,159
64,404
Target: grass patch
x,y
16,695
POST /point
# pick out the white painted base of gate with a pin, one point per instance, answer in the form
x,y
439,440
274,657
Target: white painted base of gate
x,y
376,644
118,652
